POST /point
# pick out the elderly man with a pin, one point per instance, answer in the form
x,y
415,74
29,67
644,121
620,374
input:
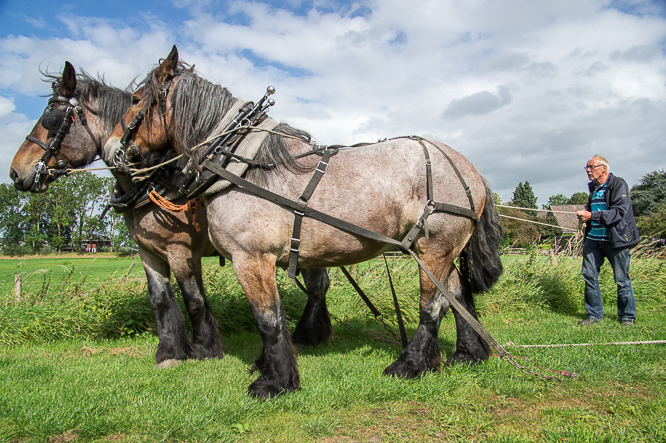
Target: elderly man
x,y
610,232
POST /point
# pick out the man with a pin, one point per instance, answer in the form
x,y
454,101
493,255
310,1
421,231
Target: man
x,y
610,232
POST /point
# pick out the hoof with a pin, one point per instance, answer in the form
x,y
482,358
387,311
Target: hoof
x,y
400,368
463,358
169,363
262,388
201,353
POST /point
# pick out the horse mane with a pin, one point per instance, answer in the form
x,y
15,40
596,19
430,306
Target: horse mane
x,y
198,107
110,102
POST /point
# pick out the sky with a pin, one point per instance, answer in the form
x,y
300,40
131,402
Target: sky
x,y
528,90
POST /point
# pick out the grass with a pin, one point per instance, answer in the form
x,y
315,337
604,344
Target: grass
x,y
100,384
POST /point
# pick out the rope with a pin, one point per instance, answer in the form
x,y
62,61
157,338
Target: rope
x,y
207,142
191,206
538,223
538,210
618,343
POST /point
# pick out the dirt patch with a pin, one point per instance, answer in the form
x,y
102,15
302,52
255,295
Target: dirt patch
x,y
134,351
64,438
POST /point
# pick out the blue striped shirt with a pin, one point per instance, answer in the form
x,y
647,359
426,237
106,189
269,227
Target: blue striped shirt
x,y
598,231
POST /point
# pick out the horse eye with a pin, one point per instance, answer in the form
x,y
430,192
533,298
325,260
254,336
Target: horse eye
x,y
136,100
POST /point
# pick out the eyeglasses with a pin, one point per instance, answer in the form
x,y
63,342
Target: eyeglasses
x,y
591,168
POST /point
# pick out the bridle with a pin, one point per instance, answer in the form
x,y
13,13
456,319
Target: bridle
x,y
128,149
57,122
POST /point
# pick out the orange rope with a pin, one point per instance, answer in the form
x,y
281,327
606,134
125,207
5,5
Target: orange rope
x,y
191,206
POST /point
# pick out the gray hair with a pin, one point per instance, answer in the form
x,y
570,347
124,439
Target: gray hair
x,y
602,161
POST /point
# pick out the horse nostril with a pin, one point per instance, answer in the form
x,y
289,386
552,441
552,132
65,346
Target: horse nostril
x,y
13,175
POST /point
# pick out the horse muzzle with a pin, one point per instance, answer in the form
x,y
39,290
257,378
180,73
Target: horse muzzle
x,y
31,182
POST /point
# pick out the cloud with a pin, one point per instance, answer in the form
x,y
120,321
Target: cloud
x,y
479,103
526,90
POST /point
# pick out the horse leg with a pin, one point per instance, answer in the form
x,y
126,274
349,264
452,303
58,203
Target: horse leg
x,y
470,347
206,340
314,327
422,352
277,362
173,346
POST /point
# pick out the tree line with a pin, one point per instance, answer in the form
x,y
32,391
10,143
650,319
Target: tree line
x,y
61,219
70,213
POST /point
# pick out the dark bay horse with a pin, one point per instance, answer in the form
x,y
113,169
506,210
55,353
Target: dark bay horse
x,y
382,188
167,240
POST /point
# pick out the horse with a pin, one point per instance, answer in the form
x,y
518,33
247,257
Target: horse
x,y
168,241
409,191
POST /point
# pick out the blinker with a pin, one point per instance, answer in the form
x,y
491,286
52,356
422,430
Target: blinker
x,y
52,119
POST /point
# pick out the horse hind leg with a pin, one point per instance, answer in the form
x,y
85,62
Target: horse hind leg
x,y
470,347
314,327
422,353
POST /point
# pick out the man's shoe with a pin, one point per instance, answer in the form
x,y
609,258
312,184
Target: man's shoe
x,y
588,321
627,322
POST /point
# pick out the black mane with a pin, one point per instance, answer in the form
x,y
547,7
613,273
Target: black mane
x,y
110,102
198,107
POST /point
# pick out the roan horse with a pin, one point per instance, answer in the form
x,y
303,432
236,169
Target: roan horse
x,y
389,188
167,240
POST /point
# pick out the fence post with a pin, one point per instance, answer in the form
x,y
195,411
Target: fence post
x,y
18,286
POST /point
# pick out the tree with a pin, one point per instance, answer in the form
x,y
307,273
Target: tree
x,y
556,200
579,198
523,197
653,225
649,194
11,218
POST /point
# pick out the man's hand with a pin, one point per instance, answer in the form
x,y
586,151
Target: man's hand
x,y
584,216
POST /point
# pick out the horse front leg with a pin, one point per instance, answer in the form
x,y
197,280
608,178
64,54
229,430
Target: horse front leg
x,y
206,340
173,346
314,327
277,363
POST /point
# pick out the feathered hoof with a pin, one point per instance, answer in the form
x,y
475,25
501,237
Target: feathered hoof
x,y
203,353
263,389
400,368
168,363
463,358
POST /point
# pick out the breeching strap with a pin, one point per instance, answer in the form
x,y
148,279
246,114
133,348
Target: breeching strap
x,y
357,230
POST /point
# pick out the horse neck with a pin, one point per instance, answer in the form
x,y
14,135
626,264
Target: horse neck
x,y
102,126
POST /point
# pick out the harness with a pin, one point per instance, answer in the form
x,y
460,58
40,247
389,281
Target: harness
x,y
58,122
200,177
301,210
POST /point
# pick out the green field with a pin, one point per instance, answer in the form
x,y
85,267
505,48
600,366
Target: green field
x,y
78,365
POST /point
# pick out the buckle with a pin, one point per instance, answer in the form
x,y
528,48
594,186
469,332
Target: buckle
x,y
325,166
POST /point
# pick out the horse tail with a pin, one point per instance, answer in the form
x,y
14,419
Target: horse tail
x,y
480,262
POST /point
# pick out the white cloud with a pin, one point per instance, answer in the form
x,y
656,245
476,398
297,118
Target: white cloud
x,y
527,90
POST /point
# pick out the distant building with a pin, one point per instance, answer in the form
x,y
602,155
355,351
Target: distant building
x,y
89,245
565,216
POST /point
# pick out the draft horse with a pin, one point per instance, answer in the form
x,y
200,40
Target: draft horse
x,y
396,190
71,133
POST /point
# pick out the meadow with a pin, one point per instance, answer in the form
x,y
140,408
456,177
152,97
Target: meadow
x,y
77,361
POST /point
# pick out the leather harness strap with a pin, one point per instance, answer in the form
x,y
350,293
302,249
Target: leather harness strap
x,y
357,230
298,213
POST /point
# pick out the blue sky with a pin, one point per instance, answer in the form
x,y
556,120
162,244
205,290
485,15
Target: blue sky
x,y
527,90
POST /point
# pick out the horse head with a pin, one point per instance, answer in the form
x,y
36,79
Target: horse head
x,y
68,135
145,130
173,109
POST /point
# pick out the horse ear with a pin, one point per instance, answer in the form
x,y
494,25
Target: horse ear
x,y
67,85
168,66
